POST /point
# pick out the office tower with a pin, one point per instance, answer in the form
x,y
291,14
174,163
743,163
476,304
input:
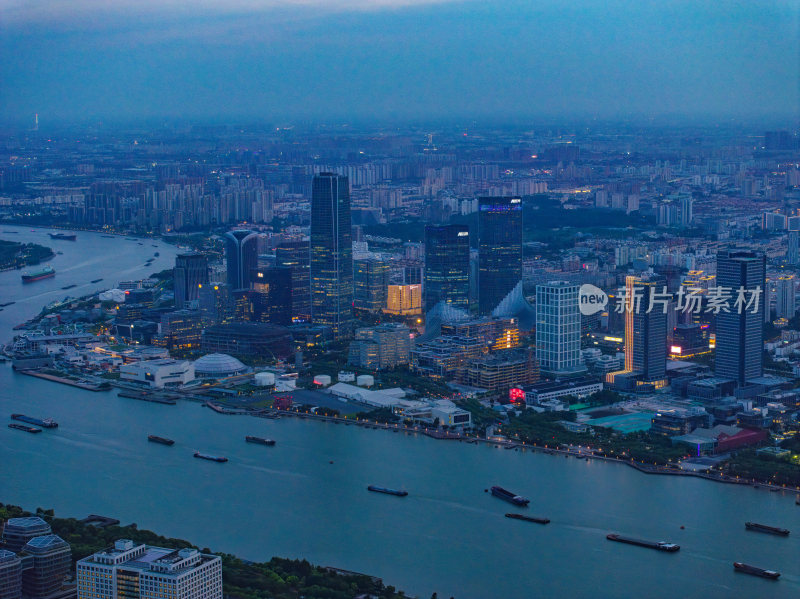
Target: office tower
x,y
447,266
10,575
127,570
216,303
558,327
500,244
793,247
47,562
740,333
404,299
370,281
331,258
241,254
271,295
294,256
190,274
646,332
785,306
19,531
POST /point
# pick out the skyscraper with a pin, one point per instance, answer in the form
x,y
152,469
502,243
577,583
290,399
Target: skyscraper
x,y
241,253
331,258
500,257
646,332
271,296
370,282
190,273
785,304
294,256
558,328
447,266
740,332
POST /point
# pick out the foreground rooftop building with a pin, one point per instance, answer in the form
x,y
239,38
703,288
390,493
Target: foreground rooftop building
x,y
127,570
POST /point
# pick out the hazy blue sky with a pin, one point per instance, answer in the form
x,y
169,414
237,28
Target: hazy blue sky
x,y
398,59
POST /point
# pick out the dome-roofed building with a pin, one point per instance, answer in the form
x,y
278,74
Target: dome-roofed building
x,y
218,366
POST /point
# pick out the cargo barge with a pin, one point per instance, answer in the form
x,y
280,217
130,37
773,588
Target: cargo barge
x,y
22,427
259,440
529,518
212,458
506,495
376,489
756,571
162,440
772,530
63,236
38,275
46,423
659,545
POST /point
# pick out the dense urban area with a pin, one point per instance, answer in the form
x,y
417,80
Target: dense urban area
x,y
607,292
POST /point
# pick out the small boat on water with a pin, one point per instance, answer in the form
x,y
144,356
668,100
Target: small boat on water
x,y
212,458
506,495
756,571
659,545
162,440
529,518
259,440
772,530
65,287
376,489
22,427
96,280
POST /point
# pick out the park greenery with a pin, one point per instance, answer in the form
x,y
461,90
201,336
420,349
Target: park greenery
x,y
277,578
17,255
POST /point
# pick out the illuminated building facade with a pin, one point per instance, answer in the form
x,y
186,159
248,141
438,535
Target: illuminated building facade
x,y
404,299
447,266
370,283
331,257
294,255
558,328
500,245
271,295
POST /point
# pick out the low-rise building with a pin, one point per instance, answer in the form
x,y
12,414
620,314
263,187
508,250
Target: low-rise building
x,y
384,346
158,373
545,391
679,421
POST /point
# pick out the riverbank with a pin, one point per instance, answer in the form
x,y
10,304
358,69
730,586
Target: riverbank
x,y
241,578
66,381
15,255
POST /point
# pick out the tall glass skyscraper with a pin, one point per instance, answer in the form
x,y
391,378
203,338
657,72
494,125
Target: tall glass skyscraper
x,y
447,266
294,256
558,328
500,244
740,335
241,254
370,285
331,254
190,274
646,332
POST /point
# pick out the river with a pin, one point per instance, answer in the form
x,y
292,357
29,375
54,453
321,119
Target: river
x,y
447,536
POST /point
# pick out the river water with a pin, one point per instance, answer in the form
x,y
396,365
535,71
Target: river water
x,y
446,536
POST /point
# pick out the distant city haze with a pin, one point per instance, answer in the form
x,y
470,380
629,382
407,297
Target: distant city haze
x,y
398,60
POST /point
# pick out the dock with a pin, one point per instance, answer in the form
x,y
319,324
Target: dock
x,y
65,381
146,396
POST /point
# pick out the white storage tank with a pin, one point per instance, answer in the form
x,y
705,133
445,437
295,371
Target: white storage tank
x,y
365,380
346,377
323,380
265,379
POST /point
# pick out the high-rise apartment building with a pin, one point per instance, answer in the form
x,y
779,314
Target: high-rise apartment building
x,y
370,283
294,255
785,302
500,244
793,247
241,254
447,266
130,571
190,274
331,258
740,331
558,328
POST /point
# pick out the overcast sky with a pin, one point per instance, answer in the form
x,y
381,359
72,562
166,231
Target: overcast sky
x,y
397,60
